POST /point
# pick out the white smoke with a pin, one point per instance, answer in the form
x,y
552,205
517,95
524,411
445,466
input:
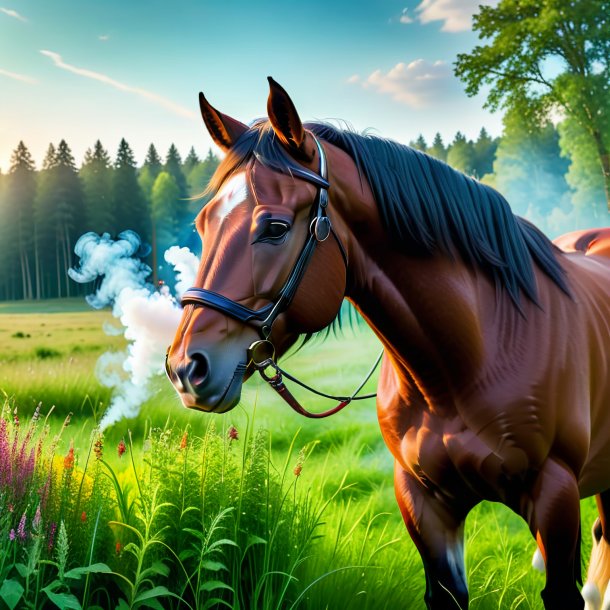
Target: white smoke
x,y
149,318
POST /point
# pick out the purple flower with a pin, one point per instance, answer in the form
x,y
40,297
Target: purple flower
x,y
11,535
21,527
37,518
52,530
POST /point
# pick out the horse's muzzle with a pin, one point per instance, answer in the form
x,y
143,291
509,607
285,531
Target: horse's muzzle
x,y
202,390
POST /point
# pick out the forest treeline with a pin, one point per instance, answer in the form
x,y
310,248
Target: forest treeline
x,y
547,173
44,211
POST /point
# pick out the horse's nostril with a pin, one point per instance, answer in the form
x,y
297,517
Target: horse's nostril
x,y
198,370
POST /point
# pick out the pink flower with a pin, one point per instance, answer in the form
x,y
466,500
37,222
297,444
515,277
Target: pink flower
x,y
121,448
233,434
37,519
11,535
52,531
21,527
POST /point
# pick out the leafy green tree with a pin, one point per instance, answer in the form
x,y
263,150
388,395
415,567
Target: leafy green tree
x,y
200,175
438,149
96,175
165,216
522,38
19,196
128,203
583,176
529,171
461,154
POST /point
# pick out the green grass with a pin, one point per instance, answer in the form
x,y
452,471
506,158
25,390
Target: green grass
x,y
363,558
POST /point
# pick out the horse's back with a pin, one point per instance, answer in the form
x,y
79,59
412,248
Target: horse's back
x,y
588,241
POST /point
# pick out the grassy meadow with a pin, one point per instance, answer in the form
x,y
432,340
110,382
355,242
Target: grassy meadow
x,y
256,508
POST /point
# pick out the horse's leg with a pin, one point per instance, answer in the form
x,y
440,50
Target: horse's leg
x,y
598,573
439,537
554,518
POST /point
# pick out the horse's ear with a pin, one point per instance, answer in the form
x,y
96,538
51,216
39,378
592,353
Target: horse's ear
x,y
224,130
285,120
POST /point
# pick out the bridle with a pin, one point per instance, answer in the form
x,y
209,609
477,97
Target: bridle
x,y
261,354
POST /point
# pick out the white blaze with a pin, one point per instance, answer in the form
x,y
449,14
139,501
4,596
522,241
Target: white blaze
x,y
232,194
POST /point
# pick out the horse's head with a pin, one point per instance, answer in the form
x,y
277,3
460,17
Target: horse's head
x,y
271,267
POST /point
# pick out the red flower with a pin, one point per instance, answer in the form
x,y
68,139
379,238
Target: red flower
x,y
233,434
118,547
83,516
183,441
69,459
121,448
98,448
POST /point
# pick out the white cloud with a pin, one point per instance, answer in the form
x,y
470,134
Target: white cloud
x,y
404,18
20,77
103,37
11,13
353,79
456,15
107,80
417,84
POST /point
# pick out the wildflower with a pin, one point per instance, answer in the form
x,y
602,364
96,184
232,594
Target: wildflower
x,y
83,516
37,518
183,441
118,547
299,466
11,508
297,469
98,448
69,459
147,446
233,434
52,530
21,527
121,448
11,535
36,413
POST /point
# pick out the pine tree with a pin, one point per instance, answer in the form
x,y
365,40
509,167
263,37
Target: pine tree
x,y
150,170
438,149
419,144
165,216
461,154
96,175
19,198
128,202
484,154
173,166
190,162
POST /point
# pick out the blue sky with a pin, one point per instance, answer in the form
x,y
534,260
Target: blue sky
x,y
111,69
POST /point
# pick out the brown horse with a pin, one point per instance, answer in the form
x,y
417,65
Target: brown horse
x,y
495,382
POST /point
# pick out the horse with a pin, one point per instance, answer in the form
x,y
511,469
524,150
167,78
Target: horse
x,y
495,378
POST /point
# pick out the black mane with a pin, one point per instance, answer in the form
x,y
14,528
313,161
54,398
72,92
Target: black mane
x,y
427,205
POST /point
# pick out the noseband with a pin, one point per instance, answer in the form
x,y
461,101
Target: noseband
x,y
261,354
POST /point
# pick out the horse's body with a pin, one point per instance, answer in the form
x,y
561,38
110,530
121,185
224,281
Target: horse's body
x,y
493,386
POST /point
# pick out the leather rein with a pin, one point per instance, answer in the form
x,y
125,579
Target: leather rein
x,y
261,353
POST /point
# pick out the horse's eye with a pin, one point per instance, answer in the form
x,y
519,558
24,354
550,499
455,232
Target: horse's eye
x,y
274,232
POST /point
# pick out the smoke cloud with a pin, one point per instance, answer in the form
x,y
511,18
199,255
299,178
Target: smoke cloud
x,y
148,317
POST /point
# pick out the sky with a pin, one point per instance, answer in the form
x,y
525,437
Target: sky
x,y
110,69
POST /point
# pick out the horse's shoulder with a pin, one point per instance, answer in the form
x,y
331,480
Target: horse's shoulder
x,y
588,241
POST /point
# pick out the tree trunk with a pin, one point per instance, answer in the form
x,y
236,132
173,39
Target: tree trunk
x,y
604,160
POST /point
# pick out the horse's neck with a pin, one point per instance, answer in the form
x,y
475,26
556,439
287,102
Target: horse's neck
x,y
424,309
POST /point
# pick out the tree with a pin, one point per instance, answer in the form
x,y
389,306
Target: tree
x,y
165,216
461,154
173,166
19,198
150,170
96,175
190,162
529,170
484,153
60,217
523,38
438,149
419,144
128,203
